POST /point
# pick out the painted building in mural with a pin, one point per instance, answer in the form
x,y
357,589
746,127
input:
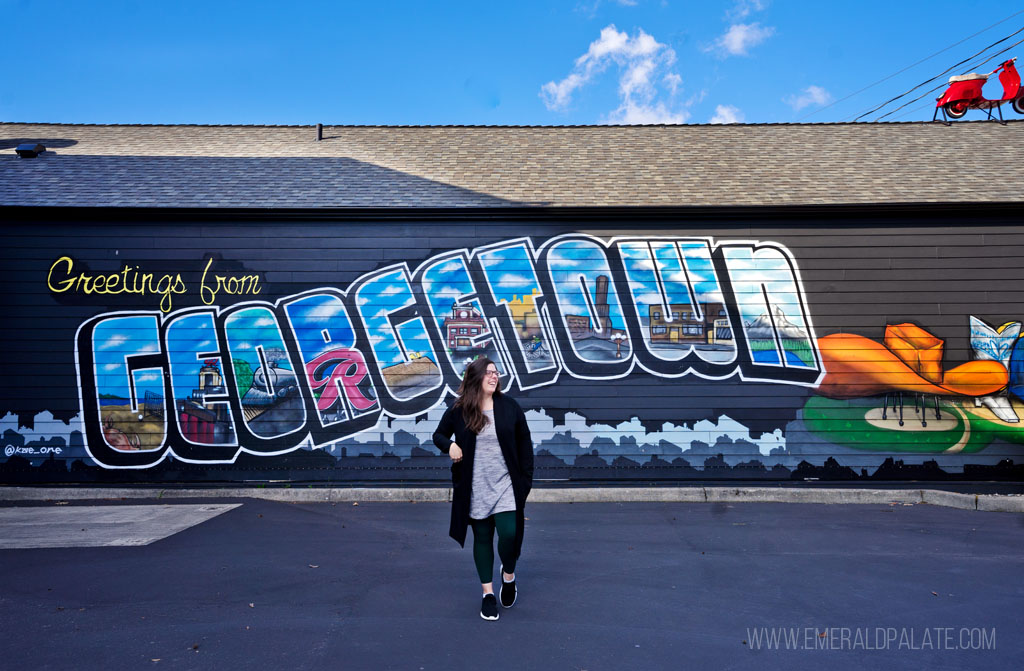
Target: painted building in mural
x,y
203,345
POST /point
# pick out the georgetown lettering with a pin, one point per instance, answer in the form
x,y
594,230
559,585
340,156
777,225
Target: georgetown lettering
x,y
205,384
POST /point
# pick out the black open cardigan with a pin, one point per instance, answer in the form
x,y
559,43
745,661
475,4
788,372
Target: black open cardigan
x,y
516,447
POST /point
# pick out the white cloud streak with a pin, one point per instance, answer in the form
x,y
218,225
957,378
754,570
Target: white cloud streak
x,y
741,37
114,341
673,82
727,114
812,95
743,9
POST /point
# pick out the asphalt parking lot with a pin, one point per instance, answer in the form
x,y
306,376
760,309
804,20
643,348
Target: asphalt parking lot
x,y
602,586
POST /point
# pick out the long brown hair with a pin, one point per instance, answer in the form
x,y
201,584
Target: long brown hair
x,y
471,394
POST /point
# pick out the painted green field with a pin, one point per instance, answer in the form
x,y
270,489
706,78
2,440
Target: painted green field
x,y
844,423
798,348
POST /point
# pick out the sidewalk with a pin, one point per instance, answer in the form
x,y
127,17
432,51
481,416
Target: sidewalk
x,y
649,585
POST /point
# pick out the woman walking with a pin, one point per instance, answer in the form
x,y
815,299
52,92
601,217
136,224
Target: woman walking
x,y
492,473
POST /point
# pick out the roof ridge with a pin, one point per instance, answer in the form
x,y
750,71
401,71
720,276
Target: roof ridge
x,y
500,126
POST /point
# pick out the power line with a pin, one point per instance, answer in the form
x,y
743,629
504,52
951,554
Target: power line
x,y
909,112
929,81
910,66
941,85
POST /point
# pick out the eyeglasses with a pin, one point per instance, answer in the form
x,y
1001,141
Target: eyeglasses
x,y
491,373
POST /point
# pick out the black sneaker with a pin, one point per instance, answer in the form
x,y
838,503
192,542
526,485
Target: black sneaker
x,y
508,591
489,607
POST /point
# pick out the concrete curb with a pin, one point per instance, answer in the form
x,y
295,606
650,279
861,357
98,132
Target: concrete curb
x,y
618,494
780,495
950,499
1001,504
285,494
983,502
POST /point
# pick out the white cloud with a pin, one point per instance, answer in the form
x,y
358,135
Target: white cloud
x,y
727,114
741,37
637,77
696,98
325,312
651,298
673,82
494,259
743,9
452,293
709,296
558,259
513,280
557,96
645,72
114,341
633,113
685,277
645,264
590,8
697,252
812,95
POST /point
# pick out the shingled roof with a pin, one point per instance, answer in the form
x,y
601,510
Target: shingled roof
x,y
503,166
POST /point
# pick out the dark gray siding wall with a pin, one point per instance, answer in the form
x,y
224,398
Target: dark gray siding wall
x,y
850,347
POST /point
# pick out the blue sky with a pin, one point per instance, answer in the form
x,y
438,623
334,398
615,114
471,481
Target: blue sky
x,y
510,272
116,339
376,299
310,316
186,338
586,62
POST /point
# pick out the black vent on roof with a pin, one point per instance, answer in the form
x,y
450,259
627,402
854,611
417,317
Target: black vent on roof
x,y
30,149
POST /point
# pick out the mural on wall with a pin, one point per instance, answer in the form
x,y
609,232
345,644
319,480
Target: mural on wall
x,y
207,384
358,375
896,395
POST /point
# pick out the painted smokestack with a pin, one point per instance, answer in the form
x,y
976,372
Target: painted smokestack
x,y
601,305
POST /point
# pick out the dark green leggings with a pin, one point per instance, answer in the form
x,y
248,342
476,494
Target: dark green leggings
x,y
483,544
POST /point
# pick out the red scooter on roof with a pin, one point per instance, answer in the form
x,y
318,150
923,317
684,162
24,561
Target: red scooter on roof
x,y
964,93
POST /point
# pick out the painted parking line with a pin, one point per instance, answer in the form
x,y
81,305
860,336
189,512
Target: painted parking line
x,y
100,526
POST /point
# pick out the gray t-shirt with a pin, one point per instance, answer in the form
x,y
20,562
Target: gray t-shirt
x,y
492,487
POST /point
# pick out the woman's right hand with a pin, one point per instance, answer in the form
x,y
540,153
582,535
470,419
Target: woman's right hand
x,y
455,452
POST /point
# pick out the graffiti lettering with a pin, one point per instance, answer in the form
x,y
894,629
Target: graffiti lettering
x,y
128,280
335,370
251,377
233,286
